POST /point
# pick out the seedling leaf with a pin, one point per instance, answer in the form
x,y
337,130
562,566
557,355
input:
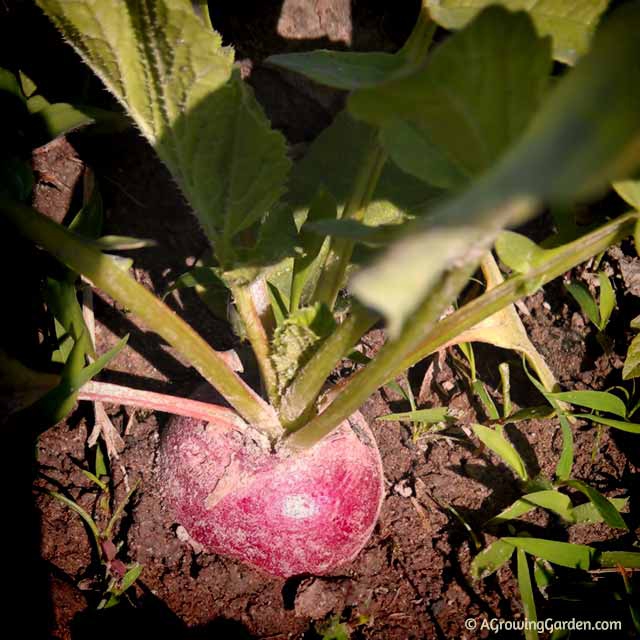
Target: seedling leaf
x,y
597,400
565,462
587,512
565,554
526,594
627,559
583,297
622,425
502,448
607,300
631,368
549,499
489,560
608,512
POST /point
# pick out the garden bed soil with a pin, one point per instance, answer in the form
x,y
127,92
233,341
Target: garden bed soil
x,y
413,578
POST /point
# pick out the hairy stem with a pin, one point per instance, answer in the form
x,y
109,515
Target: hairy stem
x,y
105,273
353,396
386,366
258,339
299,399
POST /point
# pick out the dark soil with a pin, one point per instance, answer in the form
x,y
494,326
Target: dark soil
x,y
413,579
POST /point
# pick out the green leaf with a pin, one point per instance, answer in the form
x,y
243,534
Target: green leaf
x,y
342,69
397,194
177,82
353,230
430,416
495,441
549,499
622,425
62,302
570,23
10,87
56,404
207,285
526,595
631,368
296,340
132,574
60,118
607,302
89,521
487,401
474,97
489,560
597,400
587,513
608,512
583,297
28,85
629,191
89,221
414,151
518,252
543,574
565,462
572,149
627,559
307,267
565,554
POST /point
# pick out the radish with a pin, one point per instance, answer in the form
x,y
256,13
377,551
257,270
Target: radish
x,y
286,513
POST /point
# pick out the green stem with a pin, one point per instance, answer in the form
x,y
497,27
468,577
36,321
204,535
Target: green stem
x,y
390,356
258,339
107,275
516,287
417,45
299,399
393,359
340,249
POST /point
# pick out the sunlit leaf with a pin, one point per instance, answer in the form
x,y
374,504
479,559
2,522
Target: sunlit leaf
x,y
631,368
549,499
607,302
489,560
572,149
501,447
597,400
628,559
583,297
574,556
570,23
177,82
565,462
587,512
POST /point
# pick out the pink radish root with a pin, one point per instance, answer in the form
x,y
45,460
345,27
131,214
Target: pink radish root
x,y
285,512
